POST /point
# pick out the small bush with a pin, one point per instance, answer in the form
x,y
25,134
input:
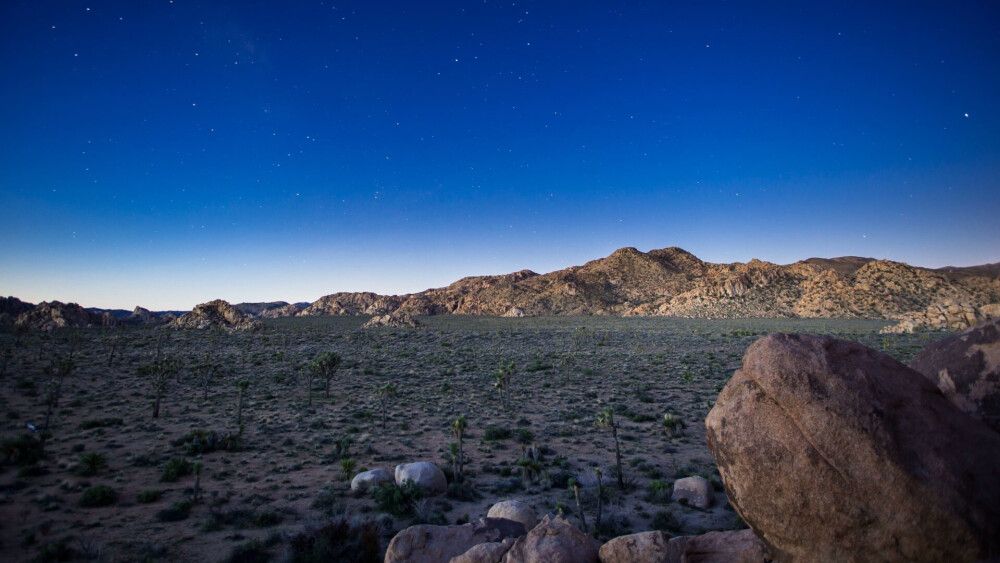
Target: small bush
x,y
207,441
252,551
339,539
327,502
179,511
91,463
176,468
665,520
493,433
98,495
464,491
100,423
397,500
149,495
525,436
26,449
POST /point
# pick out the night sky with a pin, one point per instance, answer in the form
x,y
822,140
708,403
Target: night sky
x,y
165,153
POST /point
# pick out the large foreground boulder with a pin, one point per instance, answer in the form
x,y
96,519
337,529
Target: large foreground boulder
x,y
433,544
966,368
423,473
831,451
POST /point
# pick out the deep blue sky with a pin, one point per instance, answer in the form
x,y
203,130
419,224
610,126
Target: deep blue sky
x,y
166,153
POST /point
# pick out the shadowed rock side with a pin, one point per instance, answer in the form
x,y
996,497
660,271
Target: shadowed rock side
x,y
215,314
831,451
966,368
11,308
51,315
141,316
674,282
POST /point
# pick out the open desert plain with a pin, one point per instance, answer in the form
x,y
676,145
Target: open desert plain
x,y
253,450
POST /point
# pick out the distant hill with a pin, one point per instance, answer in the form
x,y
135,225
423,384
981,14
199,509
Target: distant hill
x,y
663,282
674,282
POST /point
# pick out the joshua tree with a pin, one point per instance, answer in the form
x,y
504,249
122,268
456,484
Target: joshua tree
x,y
579,504
57,371
502,383
325,365
458,454
7,356
110,344
600,497
385,394
673,425
606,419
196,469
159,372
207,371
241,387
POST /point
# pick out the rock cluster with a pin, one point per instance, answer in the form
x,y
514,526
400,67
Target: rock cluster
x,y
946,315
393,320
966,368
831,451
501,539
141,316
215,314
674,282
47,316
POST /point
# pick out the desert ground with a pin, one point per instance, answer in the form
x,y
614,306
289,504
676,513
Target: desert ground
x,y
90,474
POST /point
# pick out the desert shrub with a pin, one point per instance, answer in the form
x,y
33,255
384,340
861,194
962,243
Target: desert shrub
x,y
614,524
397,499
463,491
98,495
179,511
347,466
525,436
149,495
100,423
492,433
56,551
507,486
207,441
176,468
252,551
241,518
26,449
327,501
339,539
424,513
666,521
91,463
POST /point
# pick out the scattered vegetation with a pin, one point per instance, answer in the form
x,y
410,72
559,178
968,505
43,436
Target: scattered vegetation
x,y
98,495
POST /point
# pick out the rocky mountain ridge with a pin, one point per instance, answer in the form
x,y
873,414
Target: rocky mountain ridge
x,y
674,282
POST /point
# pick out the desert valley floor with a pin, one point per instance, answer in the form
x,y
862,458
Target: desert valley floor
x,y
115,484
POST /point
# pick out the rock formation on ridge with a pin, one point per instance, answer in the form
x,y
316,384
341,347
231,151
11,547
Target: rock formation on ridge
x,y
674,282
215,314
